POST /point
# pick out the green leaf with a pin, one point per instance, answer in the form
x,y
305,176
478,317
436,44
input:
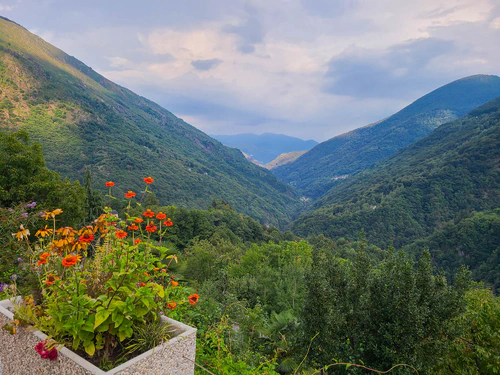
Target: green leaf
x,y
89,347
100,317
76,343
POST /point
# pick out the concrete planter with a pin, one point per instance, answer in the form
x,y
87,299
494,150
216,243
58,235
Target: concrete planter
x,y
18,355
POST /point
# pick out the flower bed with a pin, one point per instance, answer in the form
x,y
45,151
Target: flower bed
x,y
103,291
18,357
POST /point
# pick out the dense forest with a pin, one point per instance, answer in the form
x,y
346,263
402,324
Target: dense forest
x,y
428,192
272,303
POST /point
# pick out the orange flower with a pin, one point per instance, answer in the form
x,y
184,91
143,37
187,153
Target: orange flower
x,y
45,255
138,220
43,259
156,269
121,234
70,260
193,299
149,180
133,227
137,241
171,305
161,216
151,228
86,237
110,184
146,274
174,283
168,222
51,279
148,213
130,194
142,284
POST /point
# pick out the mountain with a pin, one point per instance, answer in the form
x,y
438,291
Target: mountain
x,y
283,159
83,120
265,147
430,191
315,172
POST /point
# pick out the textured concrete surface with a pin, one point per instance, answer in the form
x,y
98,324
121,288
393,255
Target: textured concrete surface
x,y
18,355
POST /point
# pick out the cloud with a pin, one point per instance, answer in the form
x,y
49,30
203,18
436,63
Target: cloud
x,y
309,68
328,8
398,71
205,64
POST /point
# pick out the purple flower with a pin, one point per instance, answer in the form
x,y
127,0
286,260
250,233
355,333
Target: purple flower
x,y
3,287
24,215
31,205
19,260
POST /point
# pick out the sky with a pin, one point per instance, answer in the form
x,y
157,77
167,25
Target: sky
x,y
311,69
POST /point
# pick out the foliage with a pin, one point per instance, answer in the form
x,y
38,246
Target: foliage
x,y
321,168
25,178
476,347
392,313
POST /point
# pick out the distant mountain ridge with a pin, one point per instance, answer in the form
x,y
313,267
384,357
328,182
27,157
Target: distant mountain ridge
x,y
83,120
315,172
265,147
283,159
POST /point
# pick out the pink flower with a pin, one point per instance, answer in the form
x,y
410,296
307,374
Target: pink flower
x,y
44,353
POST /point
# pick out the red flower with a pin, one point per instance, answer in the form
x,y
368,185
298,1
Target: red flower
x,y
87,237
121,234
193,299
149,180
161,216
43,259
110,184
70,260
137,241
151,228
133,227
40,347
138,220
174,283
171,305
148,213
130,194
168,222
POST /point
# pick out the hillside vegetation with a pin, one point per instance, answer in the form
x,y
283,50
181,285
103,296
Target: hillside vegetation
x,y
83,120
443,178
315,172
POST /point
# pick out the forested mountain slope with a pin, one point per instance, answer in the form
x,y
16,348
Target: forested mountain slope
x,y
315,172
83,120
440,180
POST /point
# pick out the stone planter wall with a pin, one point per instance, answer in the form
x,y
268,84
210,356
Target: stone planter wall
x,y
18,355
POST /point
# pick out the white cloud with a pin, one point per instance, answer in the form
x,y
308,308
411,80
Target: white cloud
x,y
233,66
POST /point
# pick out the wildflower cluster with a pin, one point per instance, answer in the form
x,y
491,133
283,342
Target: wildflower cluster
x,y
100,282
